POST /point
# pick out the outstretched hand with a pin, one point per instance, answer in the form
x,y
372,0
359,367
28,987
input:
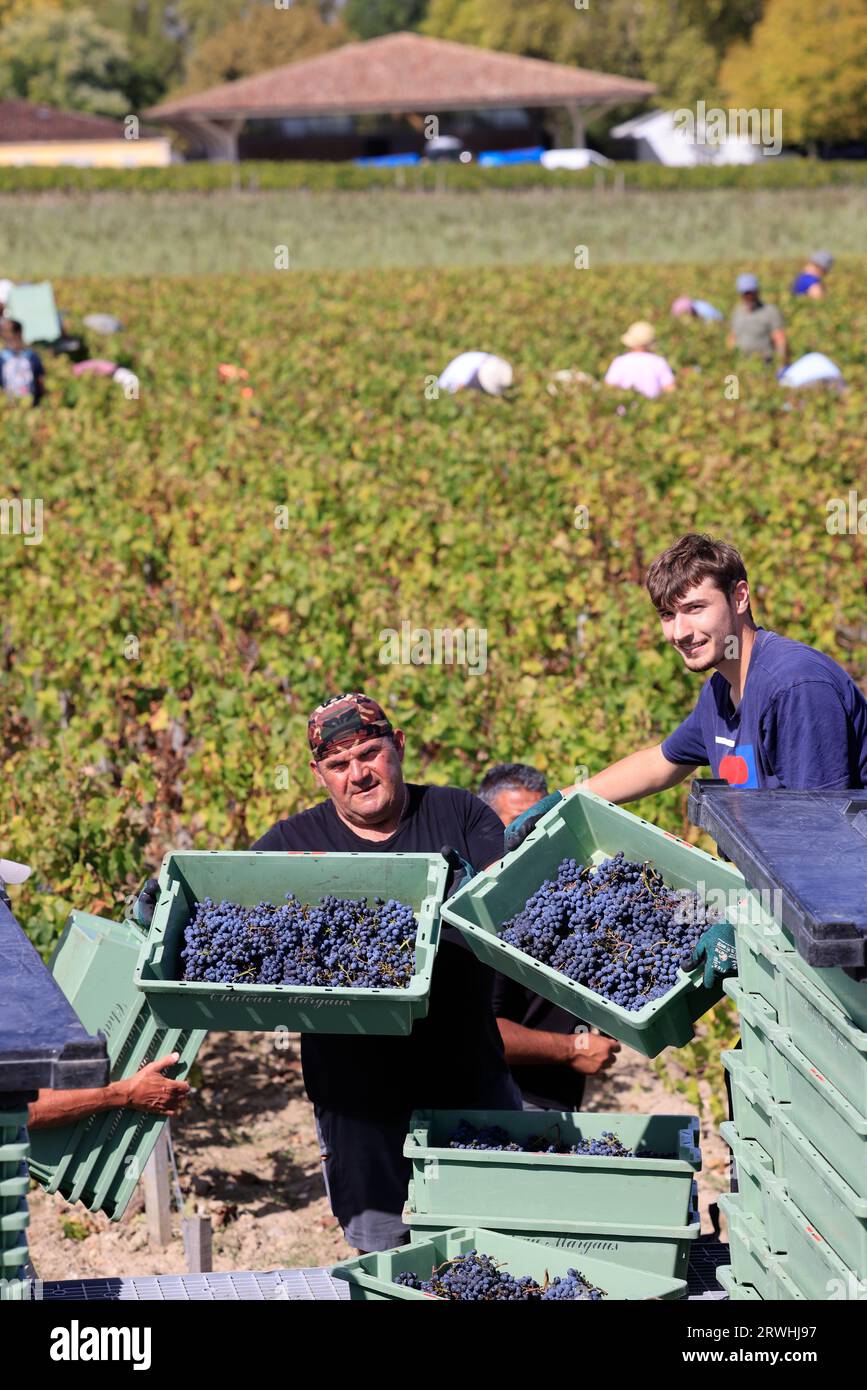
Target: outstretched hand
x,y
149,1090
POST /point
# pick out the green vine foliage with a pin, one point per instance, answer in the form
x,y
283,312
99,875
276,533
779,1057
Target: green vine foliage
x,y
219,555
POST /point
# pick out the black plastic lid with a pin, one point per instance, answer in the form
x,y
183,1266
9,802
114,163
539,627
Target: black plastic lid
x,y
810,847
42,1042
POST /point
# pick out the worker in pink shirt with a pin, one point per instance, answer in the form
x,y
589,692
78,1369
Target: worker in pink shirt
x,y
639,369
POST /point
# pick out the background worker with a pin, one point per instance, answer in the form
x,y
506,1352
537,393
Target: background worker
x,y
810,282
757,329
548,1050
639,369
364,1089
479,371
775,712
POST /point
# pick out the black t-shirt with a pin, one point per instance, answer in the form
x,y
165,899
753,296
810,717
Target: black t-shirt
x,y
554,1087
453,1058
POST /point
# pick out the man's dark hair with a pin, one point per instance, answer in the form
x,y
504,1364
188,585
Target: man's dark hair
x,y
14,324
687,563
511,777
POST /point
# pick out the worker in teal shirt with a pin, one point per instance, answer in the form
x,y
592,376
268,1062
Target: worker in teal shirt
x,y
774,713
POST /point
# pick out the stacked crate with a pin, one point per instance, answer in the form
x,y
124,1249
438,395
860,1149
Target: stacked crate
x,y
798,1221
14,1218
798,1225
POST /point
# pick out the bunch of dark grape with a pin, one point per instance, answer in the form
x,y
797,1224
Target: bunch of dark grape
x,y
476,1278
617,929
340,943
466,1136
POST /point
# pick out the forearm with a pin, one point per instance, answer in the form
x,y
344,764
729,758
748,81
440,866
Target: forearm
x,y
63,1107
528,1047
639,774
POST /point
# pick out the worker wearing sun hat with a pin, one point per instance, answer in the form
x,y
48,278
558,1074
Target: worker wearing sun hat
x,y
365,1088
639,369
483,371
757,329
810,282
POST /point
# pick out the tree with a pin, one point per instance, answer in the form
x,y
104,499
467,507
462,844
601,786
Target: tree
x,y
674,43
66,59
264,38
370,19
155,42
811,65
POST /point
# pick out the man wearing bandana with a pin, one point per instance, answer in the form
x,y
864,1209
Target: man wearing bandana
x,y
365,1088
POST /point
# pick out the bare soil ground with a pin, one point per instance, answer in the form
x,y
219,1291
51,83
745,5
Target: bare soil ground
x,y
247,1155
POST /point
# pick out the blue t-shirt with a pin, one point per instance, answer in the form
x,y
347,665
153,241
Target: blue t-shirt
x,y
802,282
801,722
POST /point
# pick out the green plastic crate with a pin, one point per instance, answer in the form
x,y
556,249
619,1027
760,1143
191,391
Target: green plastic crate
x,y
14,1257
12,1189
823,1030
752,1263
372,1276
418,880
589,829
826,1117
756,1181
738,1293
488,1186
752,1104
759,1035
658,1249
826,1200
761,953
825,1035
810,1262
12,1223
98,1160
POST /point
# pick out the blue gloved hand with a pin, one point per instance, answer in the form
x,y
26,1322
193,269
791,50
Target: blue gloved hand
x,y
517,832
458,863
145,901
716,947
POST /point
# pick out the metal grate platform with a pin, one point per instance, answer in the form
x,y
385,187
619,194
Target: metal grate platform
x,y
236,1286
292,1285
706,1256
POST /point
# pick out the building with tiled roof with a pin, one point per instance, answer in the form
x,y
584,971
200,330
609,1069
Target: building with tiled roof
x,y
31,133
400,75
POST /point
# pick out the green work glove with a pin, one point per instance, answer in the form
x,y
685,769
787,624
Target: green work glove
x,y
517,832
716,947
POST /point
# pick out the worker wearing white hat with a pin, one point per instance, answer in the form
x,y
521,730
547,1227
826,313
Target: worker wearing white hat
x,y
483,371
639,369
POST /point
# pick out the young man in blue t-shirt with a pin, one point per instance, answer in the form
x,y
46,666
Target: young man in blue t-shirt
x,y
775,713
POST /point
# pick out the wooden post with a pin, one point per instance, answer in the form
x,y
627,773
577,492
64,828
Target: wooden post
x,y
157,1192
197,1243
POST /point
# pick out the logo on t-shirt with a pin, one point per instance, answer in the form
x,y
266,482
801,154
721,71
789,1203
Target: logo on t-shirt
x,y
738,768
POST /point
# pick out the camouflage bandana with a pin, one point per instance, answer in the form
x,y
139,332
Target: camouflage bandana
x,y
342,719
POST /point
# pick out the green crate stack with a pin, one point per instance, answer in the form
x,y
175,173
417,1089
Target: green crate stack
x,y
799,1137
372,1277
588,829
99,1160
14,1216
